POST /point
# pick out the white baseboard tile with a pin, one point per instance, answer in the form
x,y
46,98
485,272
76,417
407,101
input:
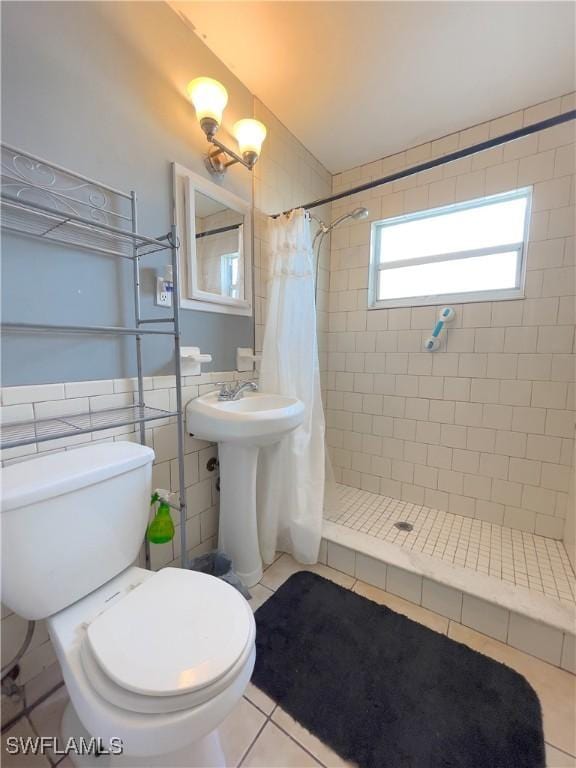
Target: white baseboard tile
x,y
404,584
535,638
568,660
485,617
442,599
371,571
341,558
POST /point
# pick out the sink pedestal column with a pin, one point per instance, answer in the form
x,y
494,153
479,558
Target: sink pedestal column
x,y
238,530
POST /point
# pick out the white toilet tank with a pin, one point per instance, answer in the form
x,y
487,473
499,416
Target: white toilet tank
x,y
71,521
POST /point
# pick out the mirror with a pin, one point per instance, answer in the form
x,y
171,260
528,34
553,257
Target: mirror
x,y
219,247
215,233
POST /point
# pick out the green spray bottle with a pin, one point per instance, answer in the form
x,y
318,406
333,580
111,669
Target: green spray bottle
x,y
161,528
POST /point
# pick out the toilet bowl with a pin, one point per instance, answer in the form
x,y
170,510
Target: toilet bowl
x,y
153,662
157,660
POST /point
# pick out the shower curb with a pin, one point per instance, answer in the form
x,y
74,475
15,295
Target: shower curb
x,y
540,626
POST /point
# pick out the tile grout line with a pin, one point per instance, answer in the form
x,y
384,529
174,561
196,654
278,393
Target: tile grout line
x,y
295,740
25,711
268,719
549,743
255,739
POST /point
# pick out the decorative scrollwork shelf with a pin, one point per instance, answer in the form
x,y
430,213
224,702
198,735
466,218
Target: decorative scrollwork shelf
x,y
45,201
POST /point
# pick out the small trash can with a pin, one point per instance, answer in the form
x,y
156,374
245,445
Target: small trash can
x,y
220,565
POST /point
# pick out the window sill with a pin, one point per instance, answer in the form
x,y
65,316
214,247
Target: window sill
x,y
453,298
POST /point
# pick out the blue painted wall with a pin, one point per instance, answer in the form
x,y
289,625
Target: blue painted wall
x,y
99,88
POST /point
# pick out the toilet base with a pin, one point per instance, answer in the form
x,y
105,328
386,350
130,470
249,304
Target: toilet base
x,y
205,753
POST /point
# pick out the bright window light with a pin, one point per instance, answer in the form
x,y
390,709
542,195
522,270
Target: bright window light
x,y
464,252
229,274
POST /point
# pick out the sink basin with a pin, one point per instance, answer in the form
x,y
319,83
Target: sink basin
x,y
255,419
241,427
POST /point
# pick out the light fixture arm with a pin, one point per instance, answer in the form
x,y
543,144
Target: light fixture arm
x,y
217,162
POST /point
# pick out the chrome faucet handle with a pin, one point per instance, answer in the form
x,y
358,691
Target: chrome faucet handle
x,y
226,389
241,387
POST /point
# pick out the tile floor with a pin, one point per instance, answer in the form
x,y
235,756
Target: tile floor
x,y
529,561
259,734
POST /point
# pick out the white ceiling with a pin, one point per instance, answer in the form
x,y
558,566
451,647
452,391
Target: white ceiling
x,y
356,81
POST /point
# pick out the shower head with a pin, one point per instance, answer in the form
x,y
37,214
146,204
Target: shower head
x,y
357,213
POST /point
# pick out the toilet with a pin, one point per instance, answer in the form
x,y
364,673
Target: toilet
x,y
154,660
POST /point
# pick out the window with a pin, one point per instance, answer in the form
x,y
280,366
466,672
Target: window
x,y
229,274
470,251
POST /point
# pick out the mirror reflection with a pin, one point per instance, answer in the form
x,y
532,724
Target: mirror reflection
x,y
219,247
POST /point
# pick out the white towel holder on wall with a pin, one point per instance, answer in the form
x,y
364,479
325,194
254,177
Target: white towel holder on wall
x,y
192,360
246,359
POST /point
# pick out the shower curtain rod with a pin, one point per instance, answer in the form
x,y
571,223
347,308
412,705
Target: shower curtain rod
x,y
504,139
218,231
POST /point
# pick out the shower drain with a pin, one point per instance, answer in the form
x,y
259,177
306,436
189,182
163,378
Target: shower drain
x,y
402,525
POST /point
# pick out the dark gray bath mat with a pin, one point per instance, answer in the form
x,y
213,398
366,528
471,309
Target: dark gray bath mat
x,y
386,692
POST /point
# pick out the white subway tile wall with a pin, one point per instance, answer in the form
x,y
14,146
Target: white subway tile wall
x,y
201,492
484,427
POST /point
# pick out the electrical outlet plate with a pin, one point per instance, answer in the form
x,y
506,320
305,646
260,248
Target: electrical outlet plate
x,y
163,297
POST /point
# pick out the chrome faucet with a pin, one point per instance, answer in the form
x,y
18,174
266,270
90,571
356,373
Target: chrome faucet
x,y
230,391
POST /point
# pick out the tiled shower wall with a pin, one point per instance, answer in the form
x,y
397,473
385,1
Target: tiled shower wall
x,y
570,525
483,427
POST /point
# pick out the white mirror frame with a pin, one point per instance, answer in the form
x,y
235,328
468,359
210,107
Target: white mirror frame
x,y
192,297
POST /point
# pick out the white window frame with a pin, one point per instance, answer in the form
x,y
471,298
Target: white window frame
x,y
494,294
226,267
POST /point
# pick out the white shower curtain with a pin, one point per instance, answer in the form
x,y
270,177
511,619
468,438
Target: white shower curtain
x,y
291,473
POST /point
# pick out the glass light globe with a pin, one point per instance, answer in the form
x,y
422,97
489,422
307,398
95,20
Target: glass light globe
x,y
209,98
249,134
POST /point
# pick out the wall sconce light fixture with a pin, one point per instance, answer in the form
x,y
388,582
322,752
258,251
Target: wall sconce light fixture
x,y
209,98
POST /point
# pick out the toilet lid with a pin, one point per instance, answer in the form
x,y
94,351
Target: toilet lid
x,y
177,632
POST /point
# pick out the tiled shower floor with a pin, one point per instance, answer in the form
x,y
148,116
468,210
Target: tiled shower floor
x,y
529,561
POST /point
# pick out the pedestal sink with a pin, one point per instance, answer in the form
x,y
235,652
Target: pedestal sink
x,y
241,427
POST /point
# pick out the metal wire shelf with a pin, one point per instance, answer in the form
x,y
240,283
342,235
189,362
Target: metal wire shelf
x,y
42,200
29,432
104,330
26,217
